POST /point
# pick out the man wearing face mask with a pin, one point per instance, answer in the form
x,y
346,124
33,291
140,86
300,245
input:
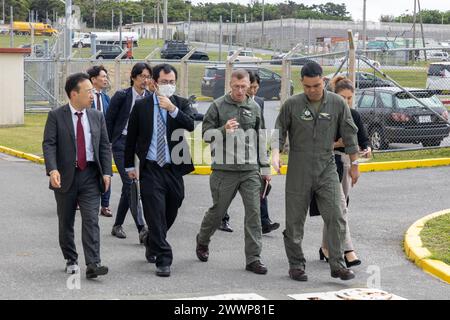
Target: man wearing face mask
x,y
156,134
120,107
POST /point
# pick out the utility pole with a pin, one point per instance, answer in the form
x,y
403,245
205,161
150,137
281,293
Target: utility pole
x,y
11,30
231,23
364,25
220,39
262,24
309,35
245,31
421,30
189,27
281,38
68,30
158,9
94,14
414,25
120,29
165,31
3,12
142,23
112,20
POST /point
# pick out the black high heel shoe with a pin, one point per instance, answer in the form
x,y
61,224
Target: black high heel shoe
x,y
322,256
353,263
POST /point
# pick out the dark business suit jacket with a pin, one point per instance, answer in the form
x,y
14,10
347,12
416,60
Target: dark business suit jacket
x,y
60,146
140,132
119,112
260,102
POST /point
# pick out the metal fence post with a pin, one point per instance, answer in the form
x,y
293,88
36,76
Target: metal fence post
x,y
286,75
184,73
351,57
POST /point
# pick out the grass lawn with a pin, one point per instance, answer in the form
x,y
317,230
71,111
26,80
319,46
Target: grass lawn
x,y
435,237
28,138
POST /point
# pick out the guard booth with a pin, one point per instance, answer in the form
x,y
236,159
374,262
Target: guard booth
x,y
12,87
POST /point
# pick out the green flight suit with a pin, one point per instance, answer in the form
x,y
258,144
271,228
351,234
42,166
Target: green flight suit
x,y
237,159
312,169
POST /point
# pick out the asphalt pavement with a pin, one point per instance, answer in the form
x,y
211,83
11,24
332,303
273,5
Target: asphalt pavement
x,y
382,207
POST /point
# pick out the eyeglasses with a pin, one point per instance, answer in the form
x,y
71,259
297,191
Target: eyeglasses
x,y
167,82
144,77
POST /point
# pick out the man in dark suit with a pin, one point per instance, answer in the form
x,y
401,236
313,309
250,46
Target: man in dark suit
x,y
78,160
117,116
99,79
154,122
266,223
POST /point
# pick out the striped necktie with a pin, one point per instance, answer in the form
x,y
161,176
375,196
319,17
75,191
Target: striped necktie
x,y
161,140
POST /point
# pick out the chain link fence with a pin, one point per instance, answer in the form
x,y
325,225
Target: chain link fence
x,y
402,95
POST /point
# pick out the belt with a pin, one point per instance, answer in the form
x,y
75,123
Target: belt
x,y
154,163
88,164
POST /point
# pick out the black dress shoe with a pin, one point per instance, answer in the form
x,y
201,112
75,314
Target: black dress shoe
x,y
202,251
163,271
257,267
270,227
322,255
94,270
225,226
343,274
298,275
352,263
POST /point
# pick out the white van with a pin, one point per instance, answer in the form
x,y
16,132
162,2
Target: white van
x,y
438,56
438,77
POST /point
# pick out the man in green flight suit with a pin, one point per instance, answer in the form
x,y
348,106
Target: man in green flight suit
x,y
233,125
312,120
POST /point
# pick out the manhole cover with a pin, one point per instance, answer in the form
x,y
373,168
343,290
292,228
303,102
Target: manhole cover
x,y
363,294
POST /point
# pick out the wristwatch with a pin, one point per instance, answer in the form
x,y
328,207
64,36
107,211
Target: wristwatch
x,y
355,163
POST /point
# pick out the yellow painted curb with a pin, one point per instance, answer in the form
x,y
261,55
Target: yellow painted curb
x,y
204,99
419,255
205,170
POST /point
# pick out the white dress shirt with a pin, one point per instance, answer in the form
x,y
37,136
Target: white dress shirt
x,y
136,96
86,129
95,100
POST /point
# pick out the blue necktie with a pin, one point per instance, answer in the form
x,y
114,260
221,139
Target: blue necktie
x,y
161,142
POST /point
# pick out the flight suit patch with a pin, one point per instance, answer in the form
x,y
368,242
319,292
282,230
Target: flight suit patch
x,y
306,115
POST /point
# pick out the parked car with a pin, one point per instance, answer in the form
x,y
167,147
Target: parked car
x,y
438,56
390,115
438,76
245,56
213,82
363,80
296,59
110,51
174,49
360,62
38,49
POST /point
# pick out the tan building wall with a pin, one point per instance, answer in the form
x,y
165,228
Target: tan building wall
x,y
12,87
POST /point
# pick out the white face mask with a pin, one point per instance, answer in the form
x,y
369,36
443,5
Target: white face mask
x,y
167,90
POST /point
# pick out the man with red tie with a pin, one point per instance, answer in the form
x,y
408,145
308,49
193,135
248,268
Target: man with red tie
x,y
99,79
78,161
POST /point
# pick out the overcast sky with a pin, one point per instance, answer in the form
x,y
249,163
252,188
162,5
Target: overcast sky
x,y
375,8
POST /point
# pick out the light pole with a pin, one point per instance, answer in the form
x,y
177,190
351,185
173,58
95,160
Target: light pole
x,y
94,14
364,26
231,22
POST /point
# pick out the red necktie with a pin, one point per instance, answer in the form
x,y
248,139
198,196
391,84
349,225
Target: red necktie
x,y
81,144
99,108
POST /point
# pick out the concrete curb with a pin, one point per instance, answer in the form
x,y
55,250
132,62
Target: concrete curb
x,y
204,99
205,170
419,255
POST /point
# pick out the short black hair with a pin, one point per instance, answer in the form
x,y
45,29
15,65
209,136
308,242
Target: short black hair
x,y
94,71
73,81
138,68
254,76
167,68
311,70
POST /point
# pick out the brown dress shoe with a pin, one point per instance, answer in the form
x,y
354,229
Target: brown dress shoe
x,y
298,275
257,267
202,251
343,274
106,212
